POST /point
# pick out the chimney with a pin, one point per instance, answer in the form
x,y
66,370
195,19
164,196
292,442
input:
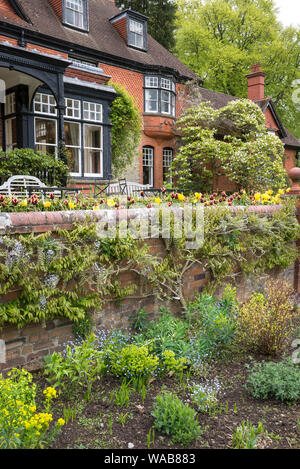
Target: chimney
x,y
256,83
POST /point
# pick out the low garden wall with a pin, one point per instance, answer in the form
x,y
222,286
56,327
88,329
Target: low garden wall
x,y
27,344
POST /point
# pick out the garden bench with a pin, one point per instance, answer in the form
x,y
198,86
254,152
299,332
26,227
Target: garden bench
x,y
25,186
124,187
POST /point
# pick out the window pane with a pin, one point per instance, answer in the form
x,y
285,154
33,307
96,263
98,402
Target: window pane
x,y
148,155
151,100
92,162
45,104
72,132
92,136
11,134
45,131
74,160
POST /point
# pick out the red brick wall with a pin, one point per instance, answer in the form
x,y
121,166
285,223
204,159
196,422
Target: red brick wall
x,y
57,7
121,27
26,347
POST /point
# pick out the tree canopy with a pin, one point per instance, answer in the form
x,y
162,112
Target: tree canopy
x,y
161,13
221,39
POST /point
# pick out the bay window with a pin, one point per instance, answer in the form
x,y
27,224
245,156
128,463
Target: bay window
x,y
160,95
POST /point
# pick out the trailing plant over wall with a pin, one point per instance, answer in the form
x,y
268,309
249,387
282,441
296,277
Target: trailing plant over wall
x,y
126,131
71,273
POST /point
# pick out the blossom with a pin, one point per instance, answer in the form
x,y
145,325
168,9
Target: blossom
x,y
24,203
110,203
61,422
71,205
157,200
96,207
47,204
181,197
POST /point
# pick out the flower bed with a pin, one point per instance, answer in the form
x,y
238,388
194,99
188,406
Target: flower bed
x,y
82,202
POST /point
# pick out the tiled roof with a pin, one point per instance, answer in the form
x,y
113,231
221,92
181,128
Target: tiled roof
x,y
102,36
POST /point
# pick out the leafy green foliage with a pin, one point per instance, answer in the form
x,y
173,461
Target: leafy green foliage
x,y
133,362
167,333
246,435
215,323
80,365
175,419
279,380
220,40
232,141
28,162
126,131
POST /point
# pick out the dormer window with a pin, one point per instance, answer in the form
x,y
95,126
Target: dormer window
x,y
76,14
136,34
133,28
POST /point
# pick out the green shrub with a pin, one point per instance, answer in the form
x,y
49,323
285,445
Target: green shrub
x,y
172,364
28,162
214,321
275,380
133,362
175,419
80,365
265,321
168,333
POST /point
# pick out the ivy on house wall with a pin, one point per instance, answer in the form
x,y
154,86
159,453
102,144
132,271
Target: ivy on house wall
x,y
68,274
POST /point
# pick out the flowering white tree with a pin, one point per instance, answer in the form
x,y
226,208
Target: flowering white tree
x,y
231,141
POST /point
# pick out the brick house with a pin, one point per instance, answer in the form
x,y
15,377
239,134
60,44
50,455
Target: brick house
x,y
56,60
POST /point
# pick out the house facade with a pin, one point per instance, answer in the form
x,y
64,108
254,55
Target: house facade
x,y
57,58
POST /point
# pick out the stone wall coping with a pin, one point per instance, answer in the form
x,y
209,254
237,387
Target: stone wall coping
x,y
28,222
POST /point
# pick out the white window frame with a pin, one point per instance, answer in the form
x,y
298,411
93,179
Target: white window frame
x,y
75,7
136,30
72,108
161,85
67,121
168,155
46,144
90,111
97,175
148,163
48,104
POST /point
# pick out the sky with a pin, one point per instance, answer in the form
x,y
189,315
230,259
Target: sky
x,y
289,13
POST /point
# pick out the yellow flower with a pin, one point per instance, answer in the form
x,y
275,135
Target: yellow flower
x,y
281,192
111,203
157,200
181,197
257,196
198,195
288,190
71,205
96,207
24,203
47,204
60,422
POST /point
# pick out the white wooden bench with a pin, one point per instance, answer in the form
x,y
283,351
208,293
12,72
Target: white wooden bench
x,y
18,186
